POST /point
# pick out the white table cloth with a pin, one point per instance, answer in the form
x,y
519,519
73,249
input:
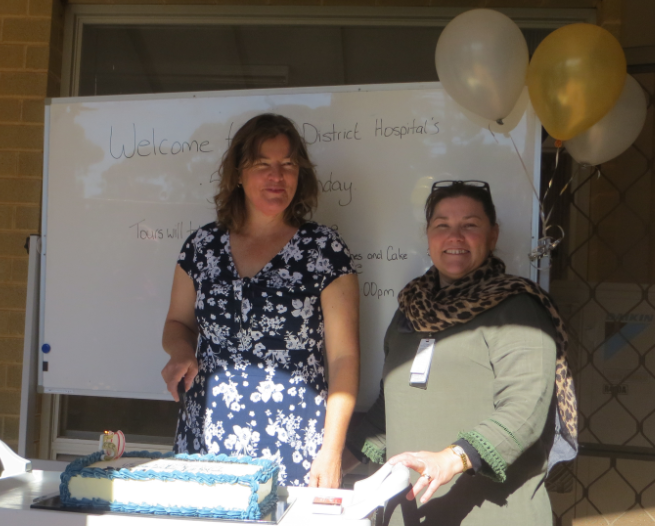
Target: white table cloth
x,y
18,493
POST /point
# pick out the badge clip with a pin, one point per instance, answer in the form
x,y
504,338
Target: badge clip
x,y
420,371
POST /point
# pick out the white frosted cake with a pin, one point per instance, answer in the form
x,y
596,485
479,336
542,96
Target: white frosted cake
x,y
187,485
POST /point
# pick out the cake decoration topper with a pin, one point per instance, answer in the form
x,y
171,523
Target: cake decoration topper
x,y
112,444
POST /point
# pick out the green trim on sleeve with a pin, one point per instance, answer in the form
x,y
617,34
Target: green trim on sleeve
x,y
511,435
373,452
488,454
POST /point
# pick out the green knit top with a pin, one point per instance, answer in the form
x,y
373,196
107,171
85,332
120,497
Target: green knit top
x,y
491,382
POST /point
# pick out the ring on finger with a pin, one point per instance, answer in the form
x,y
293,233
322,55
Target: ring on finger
x,y
427,476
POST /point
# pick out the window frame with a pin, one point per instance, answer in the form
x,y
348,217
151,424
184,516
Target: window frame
x,y
77,17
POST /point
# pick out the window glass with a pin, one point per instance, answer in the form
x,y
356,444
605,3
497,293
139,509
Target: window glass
x,y
151,59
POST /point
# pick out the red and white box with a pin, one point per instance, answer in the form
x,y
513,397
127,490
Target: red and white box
x,y
327,505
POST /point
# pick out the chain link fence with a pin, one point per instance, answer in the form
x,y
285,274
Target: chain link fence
x,y
603,278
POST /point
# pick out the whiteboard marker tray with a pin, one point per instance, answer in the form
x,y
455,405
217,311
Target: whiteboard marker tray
x,y
53,503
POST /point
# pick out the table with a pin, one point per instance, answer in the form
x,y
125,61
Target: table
x,y
17,493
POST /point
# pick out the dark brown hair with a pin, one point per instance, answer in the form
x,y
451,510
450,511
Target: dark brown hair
x,y
457,189
244,149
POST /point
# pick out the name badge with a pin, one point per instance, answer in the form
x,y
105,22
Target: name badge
x,y
420,371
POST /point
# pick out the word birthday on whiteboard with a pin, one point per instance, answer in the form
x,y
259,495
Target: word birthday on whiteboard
x,y
344,189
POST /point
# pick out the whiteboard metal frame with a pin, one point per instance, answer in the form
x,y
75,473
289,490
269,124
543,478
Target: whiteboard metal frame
x,y
28,398
81,446
347,88
44,240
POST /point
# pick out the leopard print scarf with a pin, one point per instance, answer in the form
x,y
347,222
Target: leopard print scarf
x,y
430,308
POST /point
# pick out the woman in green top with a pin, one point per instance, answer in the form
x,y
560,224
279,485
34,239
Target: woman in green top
x,y
496,401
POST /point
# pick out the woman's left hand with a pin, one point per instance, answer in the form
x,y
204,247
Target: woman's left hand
x,y
435,469
340,304
326,470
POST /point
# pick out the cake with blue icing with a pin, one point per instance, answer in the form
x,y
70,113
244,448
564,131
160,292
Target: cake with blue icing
x,y
212,486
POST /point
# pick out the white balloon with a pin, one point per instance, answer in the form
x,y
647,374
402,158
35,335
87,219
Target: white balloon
x,y
482,59
615,132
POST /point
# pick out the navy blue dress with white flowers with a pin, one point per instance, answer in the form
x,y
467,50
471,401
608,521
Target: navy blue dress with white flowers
x,y
261,388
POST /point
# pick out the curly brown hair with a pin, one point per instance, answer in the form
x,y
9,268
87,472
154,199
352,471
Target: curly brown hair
x,y
244,149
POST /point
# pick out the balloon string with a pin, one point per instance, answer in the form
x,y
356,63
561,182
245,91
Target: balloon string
x,y
525,168
545,244
550,183
492,133
545,224
570,181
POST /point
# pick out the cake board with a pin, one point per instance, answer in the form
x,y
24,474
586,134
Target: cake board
x,y
53,503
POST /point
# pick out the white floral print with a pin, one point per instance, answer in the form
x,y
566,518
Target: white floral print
x,y
261,390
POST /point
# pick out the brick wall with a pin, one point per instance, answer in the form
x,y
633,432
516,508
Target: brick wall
x,y
30,41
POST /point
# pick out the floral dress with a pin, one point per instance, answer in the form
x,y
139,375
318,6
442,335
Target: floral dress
x,y
261,389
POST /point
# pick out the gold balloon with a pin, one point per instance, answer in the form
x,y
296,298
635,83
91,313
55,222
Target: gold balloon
x,y
574,78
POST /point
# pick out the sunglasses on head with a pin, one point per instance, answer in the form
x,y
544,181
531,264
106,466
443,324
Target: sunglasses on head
x,y
440,185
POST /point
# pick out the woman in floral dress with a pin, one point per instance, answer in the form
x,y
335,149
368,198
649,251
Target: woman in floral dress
x,y
264,302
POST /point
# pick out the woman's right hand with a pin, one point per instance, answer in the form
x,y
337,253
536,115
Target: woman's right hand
x,y
180,335
435,469
183,364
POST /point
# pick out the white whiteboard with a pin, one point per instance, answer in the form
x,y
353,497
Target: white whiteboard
x,y
128,178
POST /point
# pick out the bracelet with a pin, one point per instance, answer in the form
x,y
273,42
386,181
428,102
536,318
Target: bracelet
x,y
461,454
